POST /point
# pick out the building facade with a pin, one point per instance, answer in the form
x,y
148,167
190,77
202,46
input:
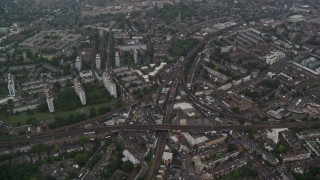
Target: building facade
x,y
117,59
11,87
78,63
98,61
273,57
135,56
109,84
80,91
49,97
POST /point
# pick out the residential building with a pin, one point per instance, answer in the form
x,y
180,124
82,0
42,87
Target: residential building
x,y
86,76
274,56
117,59
131,47
109,84
49,97
135,56
98,61
22,108
225,169
158,69
223,158
80,91
296,156
11,87
78,63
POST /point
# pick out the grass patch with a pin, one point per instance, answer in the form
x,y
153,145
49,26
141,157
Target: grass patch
x,y
21,118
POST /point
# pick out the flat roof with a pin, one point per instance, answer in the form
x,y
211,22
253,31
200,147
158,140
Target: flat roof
x,y
167,156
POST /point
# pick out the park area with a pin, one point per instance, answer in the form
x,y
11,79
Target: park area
x,y
68,109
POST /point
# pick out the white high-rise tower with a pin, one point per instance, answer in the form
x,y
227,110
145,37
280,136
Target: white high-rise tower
x,y
135,56
98,61
78,63
80,91
11,87
49,97
117,59
109,84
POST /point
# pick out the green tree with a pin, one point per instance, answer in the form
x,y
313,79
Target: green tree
x,y
33,121
127,166
93,112
80,159
56,86
175,152
38,148
10,104
235,110
231,147
43,107
48,177
57,147
72,175
94,160
83,140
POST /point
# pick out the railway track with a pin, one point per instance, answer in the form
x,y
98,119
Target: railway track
x,y
156,127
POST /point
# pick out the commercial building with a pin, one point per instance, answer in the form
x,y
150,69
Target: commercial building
x,y
117,59
212,141
278,114
49,97
11,87
275,56
98,61
80,91
109,84
311,63
129,157
187,108
78,63
194,141
167,158
274,134
234,101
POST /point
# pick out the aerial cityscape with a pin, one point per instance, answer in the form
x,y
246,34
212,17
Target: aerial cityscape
x,y
159,89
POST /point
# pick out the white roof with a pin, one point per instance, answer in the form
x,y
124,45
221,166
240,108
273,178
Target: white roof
x,y
183,106
109,123
201,139
189,138
183,122
129,157
174,138
274,134
167,156
191,114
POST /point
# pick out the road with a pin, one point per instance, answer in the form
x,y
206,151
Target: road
x,y
143,170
